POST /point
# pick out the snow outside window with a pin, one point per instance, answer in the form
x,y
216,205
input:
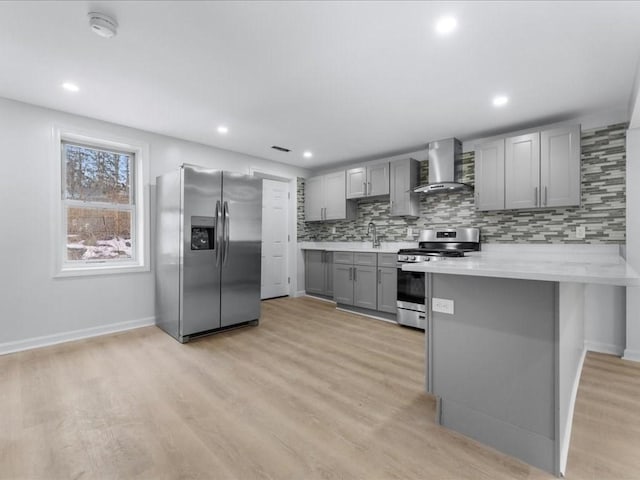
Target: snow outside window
x,y
98,200
101,226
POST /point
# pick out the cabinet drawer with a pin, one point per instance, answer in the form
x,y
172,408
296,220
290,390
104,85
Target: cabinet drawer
x,y
343,257
387,259
368,259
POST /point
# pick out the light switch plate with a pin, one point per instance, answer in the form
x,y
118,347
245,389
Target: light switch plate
x,y
442,305
581,231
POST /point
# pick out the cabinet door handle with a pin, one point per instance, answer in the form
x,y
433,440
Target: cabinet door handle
x,y
545,195
535,196
355,276
379,276
364,187
350,273
369,188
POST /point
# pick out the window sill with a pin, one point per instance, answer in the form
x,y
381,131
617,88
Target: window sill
x,y
94,270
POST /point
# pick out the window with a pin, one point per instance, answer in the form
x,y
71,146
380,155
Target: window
x,y
103,220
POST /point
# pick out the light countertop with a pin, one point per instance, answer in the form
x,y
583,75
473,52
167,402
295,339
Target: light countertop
x,y
597,269
385,247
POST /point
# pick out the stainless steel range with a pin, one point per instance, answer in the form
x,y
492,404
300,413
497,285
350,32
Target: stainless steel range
x,y
433,244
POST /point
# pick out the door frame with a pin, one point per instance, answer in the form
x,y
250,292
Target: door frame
x,y
292,257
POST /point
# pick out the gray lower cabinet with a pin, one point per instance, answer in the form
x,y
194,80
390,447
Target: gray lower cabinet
x,y
343,283
365,280
387,289
319,272
364,286
354,276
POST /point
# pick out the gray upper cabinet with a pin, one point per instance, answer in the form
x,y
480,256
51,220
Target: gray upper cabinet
x,y
314,199
378,179
357,182
560,166
539,169
522,171
368,180
404,177
325,198
334,199
489,175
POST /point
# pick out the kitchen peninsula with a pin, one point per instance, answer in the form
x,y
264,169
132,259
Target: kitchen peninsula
x,y
505,344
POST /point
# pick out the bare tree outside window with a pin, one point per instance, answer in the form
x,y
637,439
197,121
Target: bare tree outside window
x,y
98,197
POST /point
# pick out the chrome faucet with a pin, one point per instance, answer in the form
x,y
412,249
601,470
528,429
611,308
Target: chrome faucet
x,y
371,225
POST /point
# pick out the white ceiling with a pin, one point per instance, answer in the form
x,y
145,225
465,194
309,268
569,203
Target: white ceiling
x,y
346,80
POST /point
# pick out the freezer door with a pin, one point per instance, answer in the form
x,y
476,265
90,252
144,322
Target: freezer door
x,y
200,274
242,250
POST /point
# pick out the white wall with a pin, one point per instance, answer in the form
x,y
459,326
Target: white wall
x,y
32,303
604,312
632,351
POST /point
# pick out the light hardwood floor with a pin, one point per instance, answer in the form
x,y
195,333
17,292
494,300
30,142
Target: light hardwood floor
x,y
310,393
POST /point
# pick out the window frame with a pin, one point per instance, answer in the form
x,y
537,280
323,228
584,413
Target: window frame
x,y
138,206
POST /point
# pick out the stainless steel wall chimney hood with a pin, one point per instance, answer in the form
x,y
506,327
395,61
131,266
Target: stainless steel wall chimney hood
x,y
445,167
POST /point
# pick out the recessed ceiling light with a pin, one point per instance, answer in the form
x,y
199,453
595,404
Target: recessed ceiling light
x,y
70,87
500,100
222,130
307,154
446,25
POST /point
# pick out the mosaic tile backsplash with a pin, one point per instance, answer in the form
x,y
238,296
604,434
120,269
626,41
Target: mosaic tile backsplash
x,y
602,211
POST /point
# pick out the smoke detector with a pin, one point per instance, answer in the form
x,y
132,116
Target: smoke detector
x,y
103,25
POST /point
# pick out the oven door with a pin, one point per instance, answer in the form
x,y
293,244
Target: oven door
x,y
411,299
411,287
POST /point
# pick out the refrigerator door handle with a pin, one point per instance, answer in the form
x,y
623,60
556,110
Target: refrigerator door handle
x,y
226,214
218,235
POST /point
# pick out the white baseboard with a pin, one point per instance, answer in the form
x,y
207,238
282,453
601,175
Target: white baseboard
x,y
608,348
382,319
37,342
299,293
564,452
328,300
633,355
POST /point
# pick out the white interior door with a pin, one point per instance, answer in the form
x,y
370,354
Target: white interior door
x,y
275,237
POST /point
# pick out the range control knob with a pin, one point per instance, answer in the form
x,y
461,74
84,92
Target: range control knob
x,y
412,258
402,258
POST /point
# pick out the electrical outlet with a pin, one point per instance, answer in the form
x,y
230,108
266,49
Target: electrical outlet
x,y
581,231
442,305
409,232
333,230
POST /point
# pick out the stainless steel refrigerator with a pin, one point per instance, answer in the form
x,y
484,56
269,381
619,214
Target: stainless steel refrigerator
x,y
208,251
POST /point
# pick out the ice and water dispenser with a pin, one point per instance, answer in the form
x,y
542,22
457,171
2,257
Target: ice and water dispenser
x,y
203,233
